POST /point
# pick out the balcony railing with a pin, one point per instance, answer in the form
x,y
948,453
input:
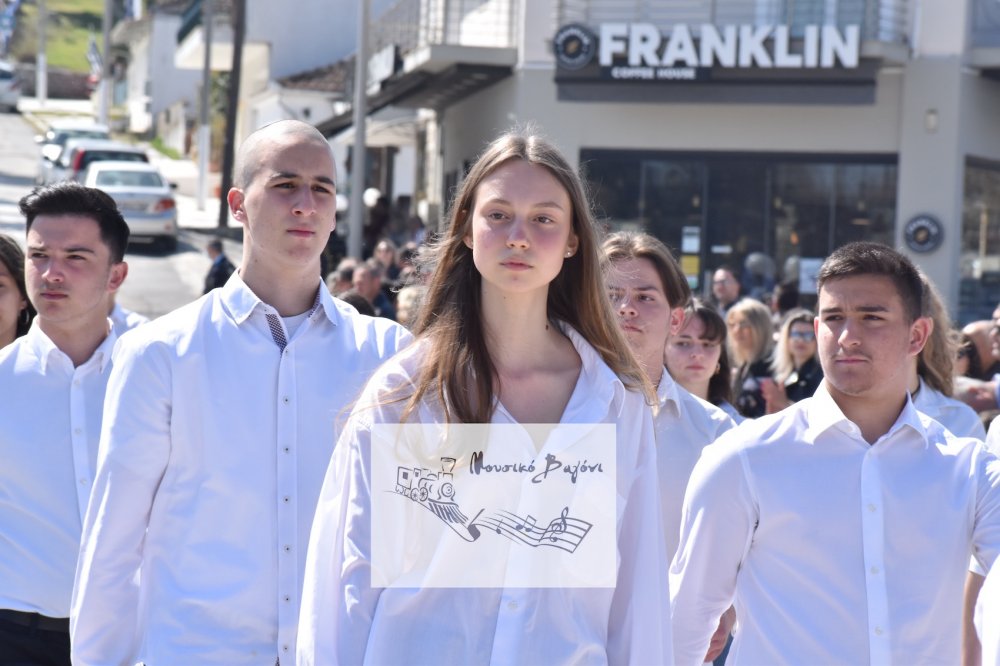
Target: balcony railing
x,y
880,20
986,23
413,24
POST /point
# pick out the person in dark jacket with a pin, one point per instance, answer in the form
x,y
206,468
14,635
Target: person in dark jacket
x,y
797,371
221,267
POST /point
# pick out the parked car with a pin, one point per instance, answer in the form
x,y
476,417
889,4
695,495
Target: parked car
x,y
143,196
59,132
10,87
78,154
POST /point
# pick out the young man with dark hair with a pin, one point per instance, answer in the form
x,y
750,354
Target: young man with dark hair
x,y
220,425
844,523
52,385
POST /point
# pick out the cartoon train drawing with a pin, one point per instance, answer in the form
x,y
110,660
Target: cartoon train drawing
x,y
435,491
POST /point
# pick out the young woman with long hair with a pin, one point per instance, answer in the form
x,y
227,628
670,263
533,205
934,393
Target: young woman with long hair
x,y
16,311
516,328
797,372
698,360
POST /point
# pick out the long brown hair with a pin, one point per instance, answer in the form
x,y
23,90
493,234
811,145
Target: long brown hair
x,y
458,368
936,361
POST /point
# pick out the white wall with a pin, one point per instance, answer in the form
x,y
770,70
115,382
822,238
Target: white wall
x,y
169,84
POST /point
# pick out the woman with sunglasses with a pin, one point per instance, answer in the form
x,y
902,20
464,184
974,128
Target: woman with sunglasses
x,y
797,371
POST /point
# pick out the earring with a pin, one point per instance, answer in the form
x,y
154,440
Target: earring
x,y
569,253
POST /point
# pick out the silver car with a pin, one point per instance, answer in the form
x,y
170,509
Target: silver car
x,y
60,131
143,196
78,154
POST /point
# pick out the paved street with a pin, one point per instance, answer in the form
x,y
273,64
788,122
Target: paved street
x,y
156,283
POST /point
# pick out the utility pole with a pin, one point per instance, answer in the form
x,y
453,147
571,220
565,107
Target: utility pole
x,y
104,90
359,161
41,62
239,36
204,129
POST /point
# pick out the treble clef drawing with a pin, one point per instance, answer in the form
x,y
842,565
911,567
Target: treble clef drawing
x,y
558,525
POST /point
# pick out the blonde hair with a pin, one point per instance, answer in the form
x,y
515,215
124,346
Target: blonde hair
x,y
759,318
783,364
458,368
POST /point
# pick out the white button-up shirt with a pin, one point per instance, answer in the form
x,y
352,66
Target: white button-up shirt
x,y
684,425
213,453
835,551
346,621
51,423
125,320
993,436
953,414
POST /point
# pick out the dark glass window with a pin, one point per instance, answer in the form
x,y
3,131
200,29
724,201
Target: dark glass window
x,y
774,210
979,289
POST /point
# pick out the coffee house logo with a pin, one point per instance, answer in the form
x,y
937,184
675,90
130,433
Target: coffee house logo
x,y
640,51
575,46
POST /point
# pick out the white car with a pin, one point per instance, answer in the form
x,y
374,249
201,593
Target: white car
x,y
144,198
10,86
59,132
78,154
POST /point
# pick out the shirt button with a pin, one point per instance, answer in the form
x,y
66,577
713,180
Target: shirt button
x,y
287,598
512,605
878,631
284,399
871,507
286,499
284,648
76,382
875,570
287,449
77,431
83,481
288,549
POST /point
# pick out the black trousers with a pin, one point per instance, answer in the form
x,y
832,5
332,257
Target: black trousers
x,y
24,643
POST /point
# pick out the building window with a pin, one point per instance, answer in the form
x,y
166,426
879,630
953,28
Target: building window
x,y
764,213
979,289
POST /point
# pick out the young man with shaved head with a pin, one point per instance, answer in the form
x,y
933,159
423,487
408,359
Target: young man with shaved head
x,y
843,524
220,423
52,383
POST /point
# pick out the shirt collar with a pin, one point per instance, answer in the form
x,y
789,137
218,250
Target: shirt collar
x,y
603,385
42,347
668,395
824,413
240,301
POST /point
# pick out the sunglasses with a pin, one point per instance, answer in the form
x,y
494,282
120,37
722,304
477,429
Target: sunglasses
x,y
805,336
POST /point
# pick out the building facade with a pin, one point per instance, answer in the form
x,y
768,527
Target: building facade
x,y
759,134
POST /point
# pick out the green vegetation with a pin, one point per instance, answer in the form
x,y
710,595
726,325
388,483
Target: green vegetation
x,y
158,144
69,27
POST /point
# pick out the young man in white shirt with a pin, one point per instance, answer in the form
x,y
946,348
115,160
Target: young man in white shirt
x,y
220,424
649,293
844,523
52,384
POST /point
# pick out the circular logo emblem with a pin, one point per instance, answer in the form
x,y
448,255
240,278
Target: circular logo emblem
x,y
575,46
923,233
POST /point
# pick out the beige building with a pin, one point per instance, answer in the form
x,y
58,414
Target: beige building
x,y
755,133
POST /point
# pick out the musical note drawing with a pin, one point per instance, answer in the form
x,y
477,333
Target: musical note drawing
x,y
435,491
565,532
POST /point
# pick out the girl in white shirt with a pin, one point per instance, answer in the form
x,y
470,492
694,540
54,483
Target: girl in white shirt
x,y
515,329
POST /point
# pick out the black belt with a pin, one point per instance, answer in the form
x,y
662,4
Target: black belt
x,y
34,620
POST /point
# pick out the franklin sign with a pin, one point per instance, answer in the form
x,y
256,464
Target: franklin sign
x,y
731,46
